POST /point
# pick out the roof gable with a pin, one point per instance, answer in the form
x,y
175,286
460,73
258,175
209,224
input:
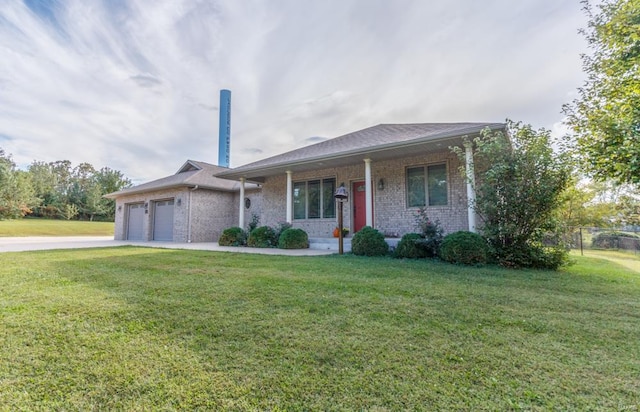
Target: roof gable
x,y
191,174
189,166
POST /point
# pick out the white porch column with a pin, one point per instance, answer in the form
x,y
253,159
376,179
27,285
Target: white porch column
x,y
368,192
471,186
289,197
241,210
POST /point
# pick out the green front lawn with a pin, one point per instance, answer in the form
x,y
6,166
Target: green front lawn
x,y
50,227
155,329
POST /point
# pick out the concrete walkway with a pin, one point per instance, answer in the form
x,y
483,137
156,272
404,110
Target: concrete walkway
x,y
21,244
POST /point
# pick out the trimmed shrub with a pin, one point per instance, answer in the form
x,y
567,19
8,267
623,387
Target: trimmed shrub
x,y
233,236
369,242
293,238
410,248
466,248
282,226
263,236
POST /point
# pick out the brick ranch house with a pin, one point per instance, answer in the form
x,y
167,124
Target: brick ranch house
x,y
389,170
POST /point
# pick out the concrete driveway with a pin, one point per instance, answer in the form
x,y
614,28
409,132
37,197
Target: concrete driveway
x,y
21,244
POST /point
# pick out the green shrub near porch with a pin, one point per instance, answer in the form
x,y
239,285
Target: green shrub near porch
x,y
233,236
466,248
369,242
263,236
293,238
410,248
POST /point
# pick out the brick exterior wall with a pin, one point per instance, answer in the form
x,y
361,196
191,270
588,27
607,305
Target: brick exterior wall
x,y
255,196
391,214
206,212
211,213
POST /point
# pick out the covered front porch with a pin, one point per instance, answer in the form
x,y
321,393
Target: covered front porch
x,y
378,196
390,172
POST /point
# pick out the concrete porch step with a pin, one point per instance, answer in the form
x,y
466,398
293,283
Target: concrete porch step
x,y
331,243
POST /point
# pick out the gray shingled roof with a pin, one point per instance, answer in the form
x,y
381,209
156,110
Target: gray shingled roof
x,y
382,140
192,173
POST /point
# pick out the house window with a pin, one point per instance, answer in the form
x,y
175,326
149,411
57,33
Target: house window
x,y
300,200
427,185
313,199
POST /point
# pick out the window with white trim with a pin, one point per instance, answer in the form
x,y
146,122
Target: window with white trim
x,y
427,186
314,199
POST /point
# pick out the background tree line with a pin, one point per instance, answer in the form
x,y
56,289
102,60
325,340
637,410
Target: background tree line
x,y
605,121
58,190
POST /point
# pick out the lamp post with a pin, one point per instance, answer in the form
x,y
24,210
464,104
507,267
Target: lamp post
x,y
341,196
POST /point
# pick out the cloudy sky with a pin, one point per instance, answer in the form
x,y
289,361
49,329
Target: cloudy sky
x,y
134,84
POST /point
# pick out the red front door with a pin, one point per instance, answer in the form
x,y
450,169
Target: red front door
x,y
359,206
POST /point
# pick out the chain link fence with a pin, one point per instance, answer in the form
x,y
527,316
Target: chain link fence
x,y
622,239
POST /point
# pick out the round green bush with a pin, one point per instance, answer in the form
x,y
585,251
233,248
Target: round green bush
x,y
233,236
263,236
369,242
293,238
282,226
466,248
613,240
409,248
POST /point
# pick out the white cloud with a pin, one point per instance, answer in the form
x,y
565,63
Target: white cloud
x,y
134,85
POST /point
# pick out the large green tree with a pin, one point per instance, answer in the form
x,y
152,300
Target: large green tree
x,y
108,180
599,204
17,196
88,186
606,115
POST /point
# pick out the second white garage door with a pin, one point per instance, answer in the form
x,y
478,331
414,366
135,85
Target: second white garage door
x,y
163,220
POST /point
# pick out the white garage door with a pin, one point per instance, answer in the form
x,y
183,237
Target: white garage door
x,y
134,223
163,220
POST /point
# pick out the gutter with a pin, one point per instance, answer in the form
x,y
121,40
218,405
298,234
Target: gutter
x,y
189,214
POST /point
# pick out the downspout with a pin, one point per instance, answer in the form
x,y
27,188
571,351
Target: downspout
x,y
189,214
